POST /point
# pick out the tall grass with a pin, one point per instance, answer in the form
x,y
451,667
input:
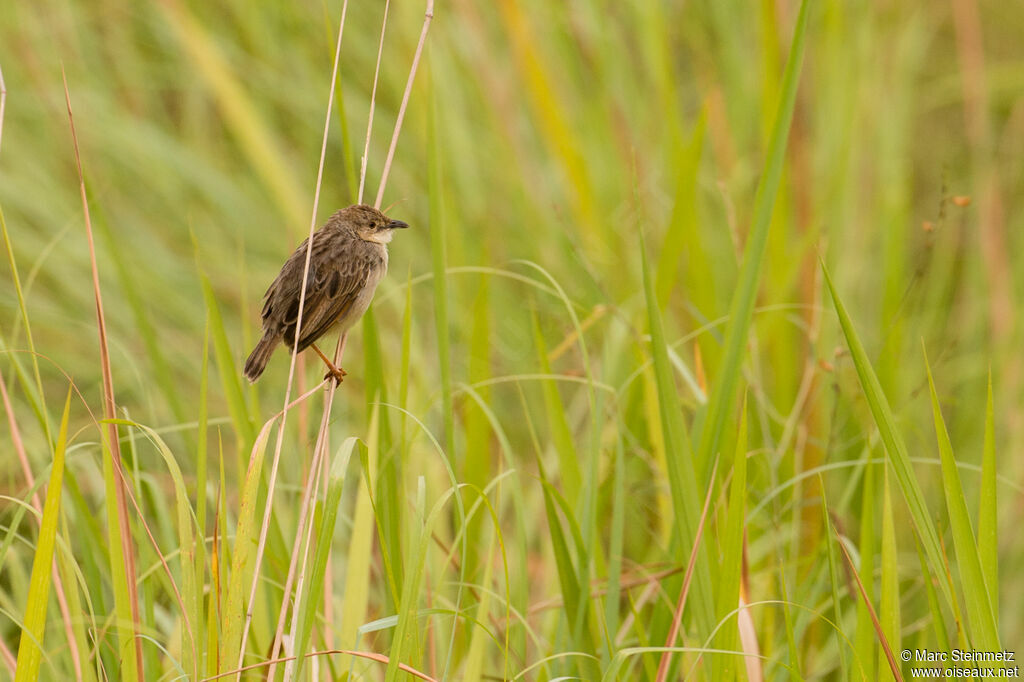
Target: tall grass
x,y
643,396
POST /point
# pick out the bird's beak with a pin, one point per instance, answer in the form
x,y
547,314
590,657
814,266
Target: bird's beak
x,y
396,224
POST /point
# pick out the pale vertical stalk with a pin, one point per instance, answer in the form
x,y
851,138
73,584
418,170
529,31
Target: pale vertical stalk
x,y
677,616
299,574
109,404
427,16
373,105
305,526
261,546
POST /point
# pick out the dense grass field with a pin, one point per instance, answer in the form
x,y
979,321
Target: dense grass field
x,y
701,360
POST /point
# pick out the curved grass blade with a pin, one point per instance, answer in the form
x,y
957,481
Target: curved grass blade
x,y
983,629
742,309
679,456
895,446
30,649
311,600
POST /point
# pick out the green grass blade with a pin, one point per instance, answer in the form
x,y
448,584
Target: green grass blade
x,y
230,377
360,544
727,597
895,447
408,612
938,621
313,595
889,599
118,570
742,309
865,638
191,587
30,648
679,458
988,526
835,582
247,532
561,434
983,629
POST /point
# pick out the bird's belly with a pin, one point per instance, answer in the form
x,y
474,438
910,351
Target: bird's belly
x,y
360,305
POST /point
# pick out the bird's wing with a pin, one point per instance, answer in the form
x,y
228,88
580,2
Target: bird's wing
x,y
332,287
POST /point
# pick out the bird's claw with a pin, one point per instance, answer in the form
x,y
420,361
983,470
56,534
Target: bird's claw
x,y
337,374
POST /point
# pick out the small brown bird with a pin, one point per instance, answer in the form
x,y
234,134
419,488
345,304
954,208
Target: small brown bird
x,y
349,258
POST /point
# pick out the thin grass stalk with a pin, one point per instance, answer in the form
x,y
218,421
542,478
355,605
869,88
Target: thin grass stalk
x,y
304,540
305,523
677,615
427,16
893,665
294,354
109,404
379,658
373,105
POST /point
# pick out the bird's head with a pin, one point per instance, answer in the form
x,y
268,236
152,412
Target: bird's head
x,y
370,224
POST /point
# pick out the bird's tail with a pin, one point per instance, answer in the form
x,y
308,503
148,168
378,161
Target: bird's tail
x,y
257,361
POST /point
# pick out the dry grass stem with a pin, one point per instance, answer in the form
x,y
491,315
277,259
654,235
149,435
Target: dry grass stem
x,y
109,404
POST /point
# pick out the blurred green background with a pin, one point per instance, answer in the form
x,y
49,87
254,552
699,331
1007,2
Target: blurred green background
x,y
546,145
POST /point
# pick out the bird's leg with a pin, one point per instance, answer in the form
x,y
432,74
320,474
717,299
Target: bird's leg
x,y
336,373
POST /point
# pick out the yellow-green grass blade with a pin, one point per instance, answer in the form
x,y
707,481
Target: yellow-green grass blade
x,y
742,309
571,585
230,377
360,544
988,526
938,620
725,667
561,434
191,584
313,595
388,507
835,583
247,532
889,599
613,597
123,614
402,648
30,648
984,633
477,468
864,639
793,651
895,446
202,465
679,459
72,578
474,666
890,659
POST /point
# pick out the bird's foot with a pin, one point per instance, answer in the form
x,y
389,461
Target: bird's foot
x,y
337,374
